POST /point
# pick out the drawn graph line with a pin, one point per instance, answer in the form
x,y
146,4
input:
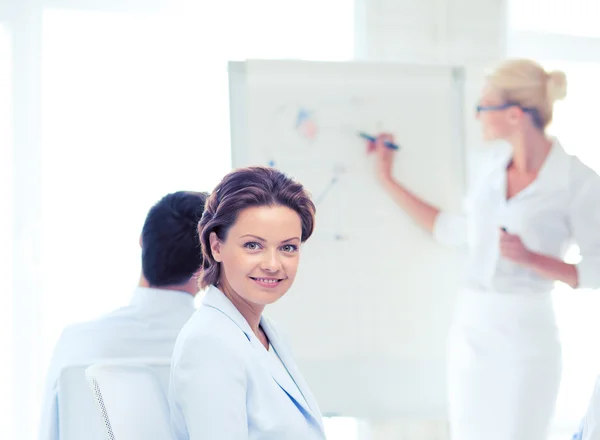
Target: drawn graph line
x,y
338,170
321,197
295,127
304,119
330,194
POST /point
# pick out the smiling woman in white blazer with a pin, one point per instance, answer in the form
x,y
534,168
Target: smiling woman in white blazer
x,y
233,375
526,205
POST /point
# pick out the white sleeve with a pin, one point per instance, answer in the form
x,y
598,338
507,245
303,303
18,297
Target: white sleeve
x,y
450,229
585,222
208,389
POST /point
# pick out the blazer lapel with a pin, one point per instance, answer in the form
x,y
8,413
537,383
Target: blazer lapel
x,y
216,299
291,382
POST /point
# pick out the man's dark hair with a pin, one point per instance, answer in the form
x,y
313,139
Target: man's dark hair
x,y
171,252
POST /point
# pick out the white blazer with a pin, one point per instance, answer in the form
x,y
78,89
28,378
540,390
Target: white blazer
x,y
226,386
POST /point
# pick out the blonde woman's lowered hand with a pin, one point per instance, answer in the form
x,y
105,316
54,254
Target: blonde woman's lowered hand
x,y
512,248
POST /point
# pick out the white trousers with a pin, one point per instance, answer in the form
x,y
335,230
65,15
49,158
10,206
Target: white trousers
x,y
504,367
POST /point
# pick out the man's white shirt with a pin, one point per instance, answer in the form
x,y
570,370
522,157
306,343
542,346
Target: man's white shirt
x,y
146,328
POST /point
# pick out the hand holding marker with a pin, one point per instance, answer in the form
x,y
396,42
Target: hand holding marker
x,y
370,138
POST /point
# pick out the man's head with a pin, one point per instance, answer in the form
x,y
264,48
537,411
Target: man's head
x,y
171,253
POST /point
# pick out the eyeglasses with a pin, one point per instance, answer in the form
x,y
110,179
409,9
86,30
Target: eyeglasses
x,y
493,108
535,115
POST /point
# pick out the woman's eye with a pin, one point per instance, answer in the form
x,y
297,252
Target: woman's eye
x,y
252,246
290,248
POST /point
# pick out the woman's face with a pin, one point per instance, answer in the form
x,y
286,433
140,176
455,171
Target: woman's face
x,y
498,124
260,254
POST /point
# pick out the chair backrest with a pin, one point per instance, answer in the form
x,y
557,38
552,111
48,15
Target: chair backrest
x,y
132,399
78,416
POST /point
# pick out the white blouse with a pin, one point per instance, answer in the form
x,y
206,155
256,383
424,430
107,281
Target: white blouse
x,y
559,208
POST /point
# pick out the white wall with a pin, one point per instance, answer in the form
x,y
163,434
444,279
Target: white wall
x,y
453,31
471,33
26,209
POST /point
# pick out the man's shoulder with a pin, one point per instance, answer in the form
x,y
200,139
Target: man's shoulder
x,y
121,333
80,341
100,325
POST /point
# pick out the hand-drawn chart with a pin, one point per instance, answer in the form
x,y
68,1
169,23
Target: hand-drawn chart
x,y
300,128
304,142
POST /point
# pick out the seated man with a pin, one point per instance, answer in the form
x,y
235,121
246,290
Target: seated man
x,y
590,426
159,307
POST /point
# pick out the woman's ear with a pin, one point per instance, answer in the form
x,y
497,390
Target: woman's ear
x,y
515,115
215,246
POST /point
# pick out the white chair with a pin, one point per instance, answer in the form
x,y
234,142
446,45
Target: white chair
x,y
78,416
132,399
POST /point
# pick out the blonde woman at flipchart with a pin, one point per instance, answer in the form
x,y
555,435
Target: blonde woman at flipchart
x,y
526,205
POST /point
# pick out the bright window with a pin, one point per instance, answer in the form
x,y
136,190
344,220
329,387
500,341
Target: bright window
x,y
128,115
573,17
568,32
6,243
575,125
575,118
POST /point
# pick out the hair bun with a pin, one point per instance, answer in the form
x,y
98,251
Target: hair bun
x,y
557,85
